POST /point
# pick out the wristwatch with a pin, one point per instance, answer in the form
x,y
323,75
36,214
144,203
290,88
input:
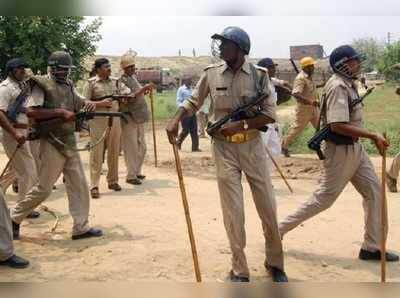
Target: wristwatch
x,y
245,125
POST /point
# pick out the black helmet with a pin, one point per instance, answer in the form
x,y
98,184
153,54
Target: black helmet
x,y
14,63
60,59
237,35
340,56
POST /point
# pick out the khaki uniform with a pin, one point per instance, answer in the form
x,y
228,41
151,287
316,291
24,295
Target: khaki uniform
x,y
227,91
133,140
395,167
96,88
6,236
57,159
202,118
343,164
304,114
23,163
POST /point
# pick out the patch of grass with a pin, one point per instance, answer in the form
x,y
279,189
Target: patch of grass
x,y
381,114
164,104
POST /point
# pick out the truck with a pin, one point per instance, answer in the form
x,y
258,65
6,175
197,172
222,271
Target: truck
x,y
161,77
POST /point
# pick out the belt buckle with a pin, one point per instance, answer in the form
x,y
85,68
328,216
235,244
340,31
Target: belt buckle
x,y
238,138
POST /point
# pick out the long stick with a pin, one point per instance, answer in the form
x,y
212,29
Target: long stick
x,y
9,161
187,213
278,169
383,217
154,128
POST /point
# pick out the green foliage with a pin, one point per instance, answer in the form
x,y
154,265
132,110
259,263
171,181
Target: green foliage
x,y
164,104
372,49
35,37
389,57
381,114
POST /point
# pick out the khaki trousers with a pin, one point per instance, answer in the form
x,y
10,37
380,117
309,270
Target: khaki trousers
x,y
134,147
343,164
395,167
6,237
112,142
303,116
52,165
23,164
231,161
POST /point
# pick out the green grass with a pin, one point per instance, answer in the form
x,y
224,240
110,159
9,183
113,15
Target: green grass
x,y
381,114
164,104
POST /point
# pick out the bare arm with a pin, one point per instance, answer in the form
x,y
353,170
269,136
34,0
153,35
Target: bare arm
x,y
39,113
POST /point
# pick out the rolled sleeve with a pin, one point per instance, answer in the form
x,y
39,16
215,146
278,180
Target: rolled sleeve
x,y
200,93
5,98
337,109
299,85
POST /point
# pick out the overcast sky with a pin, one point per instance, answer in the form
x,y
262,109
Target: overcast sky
x,y
161,28
270,35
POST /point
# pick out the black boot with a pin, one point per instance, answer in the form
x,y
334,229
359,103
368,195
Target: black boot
x,y
15,262
15,228
366,255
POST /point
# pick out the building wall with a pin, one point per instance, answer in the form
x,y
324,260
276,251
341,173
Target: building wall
x,y
298,52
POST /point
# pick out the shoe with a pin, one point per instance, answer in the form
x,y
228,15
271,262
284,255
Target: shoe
x,y
115,187
366,255
54,187
134,181
141,177
237,278
15,262
33,215
196,150
92,232
285,152
391,183
94,192
15,230
277,275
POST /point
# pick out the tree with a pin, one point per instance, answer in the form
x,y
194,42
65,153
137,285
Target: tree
x,y
372,49
389,57
35,37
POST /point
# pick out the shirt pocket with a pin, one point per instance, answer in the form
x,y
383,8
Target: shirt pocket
x,y
222,99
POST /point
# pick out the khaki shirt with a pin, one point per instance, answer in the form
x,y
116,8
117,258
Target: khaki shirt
x,y
137,107
9,91
339,93
228,90
304,85
97,87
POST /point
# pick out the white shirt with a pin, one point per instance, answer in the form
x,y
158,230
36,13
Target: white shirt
x,y
9,91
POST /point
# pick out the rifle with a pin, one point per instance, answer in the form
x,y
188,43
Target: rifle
x,y
323,134
80,117
114,97
17,107
237,114
294,66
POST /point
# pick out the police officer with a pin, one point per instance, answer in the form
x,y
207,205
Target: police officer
x,y
57,97
12,91
101,85
237,147
307,111
133,140
346,161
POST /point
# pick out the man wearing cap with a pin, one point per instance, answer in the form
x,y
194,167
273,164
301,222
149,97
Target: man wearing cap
x,y
345,158
14,92
54,96
99,86
307,111
133,140
237,146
